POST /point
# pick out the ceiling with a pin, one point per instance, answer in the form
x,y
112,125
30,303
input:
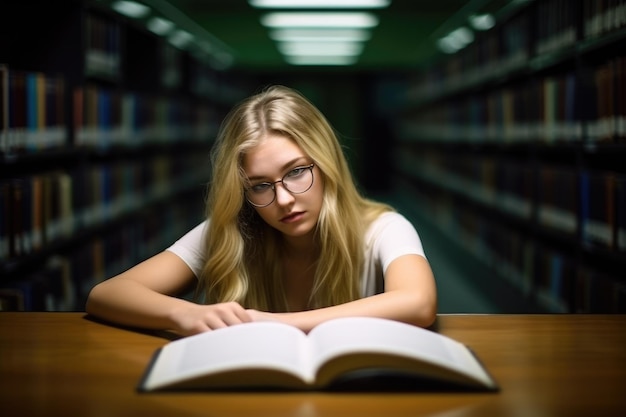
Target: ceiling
x,y
405,37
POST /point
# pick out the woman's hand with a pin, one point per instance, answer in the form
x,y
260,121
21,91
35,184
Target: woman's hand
x,y
257,315
196,318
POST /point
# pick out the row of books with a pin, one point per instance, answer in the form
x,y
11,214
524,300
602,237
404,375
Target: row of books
x,y
556,25
171,63
602,17
39,209
110,46
104,117
492,54
103,47
562,199
33,108
557,281
557,108
531,36
63,282
32,111
606,105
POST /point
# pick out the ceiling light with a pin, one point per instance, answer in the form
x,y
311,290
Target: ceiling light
x,y
447,46
462,35
306,35
327,20
321,60
456,40
131,9
160,26
321,48
180,38
482,22
312,4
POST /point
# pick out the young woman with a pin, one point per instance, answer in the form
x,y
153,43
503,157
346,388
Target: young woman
x,y
288,237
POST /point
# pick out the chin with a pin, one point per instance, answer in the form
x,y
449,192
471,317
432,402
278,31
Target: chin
x,y
300,231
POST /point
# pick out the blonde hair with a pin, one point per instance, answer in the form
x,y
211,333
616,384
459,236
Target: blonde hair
x,y
243,252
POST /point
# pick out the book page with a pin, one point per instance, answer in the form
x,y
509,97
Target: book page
x,y
244,347
389,342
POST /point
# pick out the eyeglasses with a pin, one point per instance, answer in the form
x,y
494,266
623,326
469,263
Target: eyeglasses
x,y
297,181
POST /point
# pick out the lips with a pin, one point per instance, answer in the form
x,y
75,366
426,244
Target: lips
x,y
293,217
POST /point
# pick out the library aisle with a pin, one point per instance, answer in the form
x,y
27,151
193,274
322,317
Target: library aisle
x,y
464,284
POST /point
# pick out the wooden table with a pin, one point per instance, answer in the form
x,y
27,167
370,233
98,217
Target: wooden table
x,y
64,364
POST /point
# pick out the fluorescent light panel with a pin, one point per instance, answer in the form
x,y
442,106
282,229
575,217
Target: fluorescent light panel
x,y
462,36
308,35
319,20
482,22
131,9
456,40
321,60
160,26
321,48
327,4
180,38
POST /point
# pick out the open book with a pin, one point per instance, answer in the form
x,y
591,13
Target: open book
x,y
271,355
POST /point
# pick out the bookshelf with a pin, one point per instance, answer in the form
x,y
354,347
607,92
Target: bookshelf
x,y
515,148
105,132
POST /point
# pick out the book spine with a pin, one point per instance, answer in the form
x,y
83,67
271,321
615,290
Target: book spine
x,y
4,109
558,202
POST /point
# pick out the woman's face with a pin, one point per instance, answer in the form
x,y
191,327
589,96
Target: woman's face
x,y
294,215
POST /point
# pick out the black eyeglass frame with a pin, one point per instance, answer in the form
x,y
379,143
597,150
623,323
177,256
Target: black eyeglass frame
x,y
282,181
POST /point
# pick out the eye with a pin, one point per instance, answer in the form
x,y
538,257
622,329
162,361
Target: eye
x,y
296,172
260,188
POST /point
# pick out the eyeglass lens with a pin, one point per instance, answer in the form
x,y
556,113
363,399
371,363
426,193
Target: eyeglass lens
x,y
296,181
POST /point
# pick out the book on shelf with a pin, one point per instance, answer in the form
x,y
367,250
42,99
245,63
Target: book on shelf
x,y
598,192
36,210
558,202
103,47
602,17
32,111
604,105
343,353
556,26
47,289
553,276
514,188
598,292
620,212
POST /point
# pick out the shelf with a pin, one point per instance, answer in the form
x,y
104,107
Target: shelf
x,y
501,72
105,136
13,268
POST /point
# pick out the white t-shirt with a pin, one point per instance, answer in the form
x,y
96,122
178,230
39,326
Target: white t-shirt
x,y
389,236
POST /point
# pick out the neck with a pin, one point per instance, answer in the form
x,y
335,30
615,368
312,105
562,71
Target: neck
x,y
301,249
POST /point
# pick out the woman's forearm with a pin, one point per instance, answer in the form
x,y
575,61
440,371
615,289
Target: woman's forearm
x,y
405,306
129,303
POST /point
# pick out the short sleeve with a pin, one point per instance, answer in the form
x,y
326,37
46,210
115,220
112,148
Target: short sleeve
x,y
191,248
392,236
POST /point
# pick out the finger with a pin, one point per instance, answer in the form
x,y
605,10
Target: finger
x,y
214,322
244,315
235,312
197,328
236,317
222,319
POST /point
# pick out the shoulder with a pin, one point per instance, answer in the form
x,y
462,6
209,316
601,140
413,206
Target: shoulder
x,y
191,242
392,229
191,247
391,233
388,219
197,233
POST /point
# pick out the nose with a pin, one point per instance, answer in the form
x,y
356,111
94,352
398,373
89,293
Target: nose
x,y
283,197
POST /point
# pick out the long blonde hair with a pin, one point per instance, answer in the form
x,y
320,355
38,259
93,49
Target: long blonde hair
x,y
243,252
